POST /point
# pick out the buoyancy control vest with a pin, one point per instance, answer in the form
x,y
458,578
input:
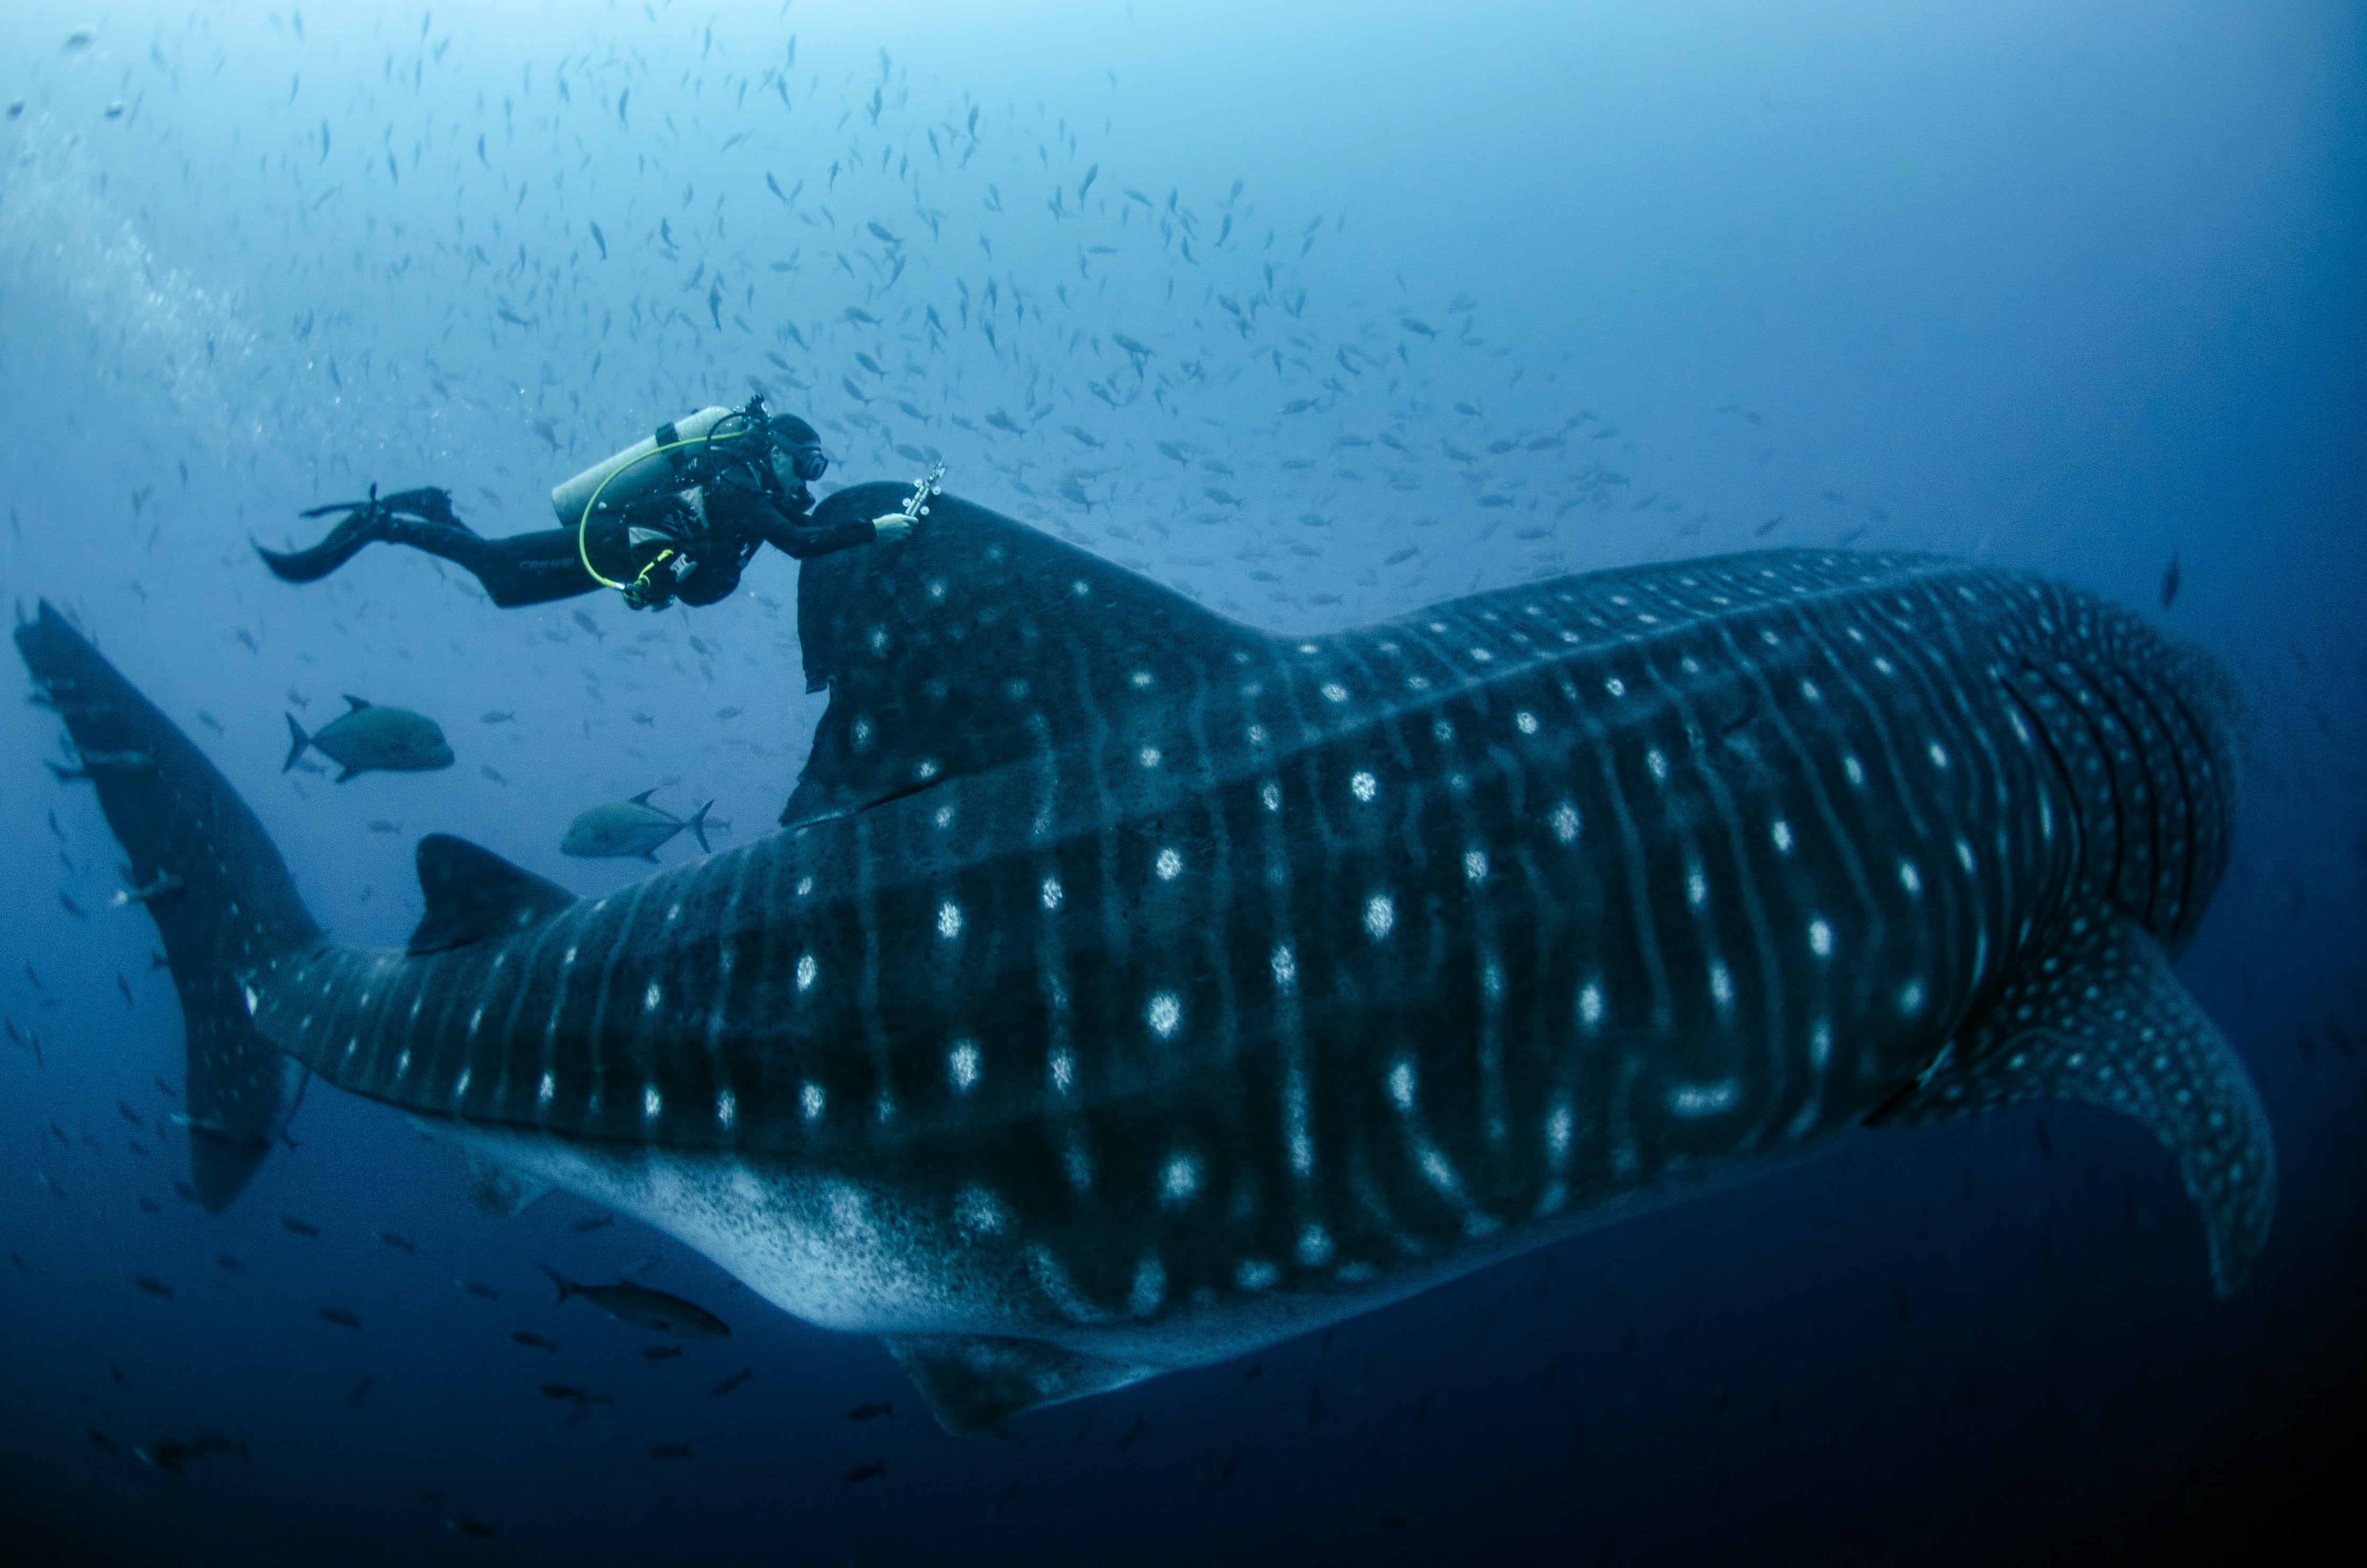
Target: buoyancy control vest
x,y
639,472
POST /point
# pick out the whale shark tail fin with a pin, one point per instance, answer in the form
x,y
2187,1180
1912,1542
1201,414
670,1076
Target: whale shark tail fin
x,y
231,905
2104,1021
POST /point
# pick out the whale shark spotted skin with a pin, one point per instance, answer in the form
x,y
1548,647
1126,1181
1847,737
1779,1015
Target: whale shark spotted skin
x,y
1129,988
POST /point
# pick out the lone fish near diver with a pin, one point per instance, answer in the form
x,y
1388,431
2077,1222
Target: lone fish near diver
x,y
1131,989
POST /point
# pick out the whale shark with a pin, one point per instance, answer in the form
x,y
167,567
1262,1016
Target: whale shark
x,y
1128,988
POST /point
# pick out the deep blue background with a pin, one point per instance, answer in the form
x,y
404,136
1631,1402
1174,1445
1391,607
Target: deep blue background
x,y
2061,286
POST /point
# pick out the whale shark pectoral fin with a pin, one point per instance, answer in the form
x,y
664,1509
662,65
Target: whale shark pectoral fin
x,y
2106,1022
976,1381
496,1189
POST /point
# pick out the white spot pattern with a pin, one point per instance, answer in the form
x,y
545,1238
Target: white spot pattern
x,y
1704,1099
1178,1178
978,1212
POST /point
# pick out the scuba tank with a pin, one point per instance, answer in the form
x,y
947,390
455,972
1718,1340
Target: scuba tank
x,y
637,473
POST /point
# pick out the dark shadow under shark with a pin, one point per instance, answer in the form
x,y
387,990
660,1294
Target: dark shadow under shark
x,y
1131,988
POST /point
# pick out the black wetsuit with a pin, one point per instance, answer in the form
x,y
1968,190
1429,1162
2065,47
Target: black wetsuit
x,y
699,547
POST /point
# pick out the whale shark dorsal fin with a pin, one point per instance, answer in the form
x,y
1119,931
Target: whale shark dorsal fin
x,y
474,894
975,642
2102,1019
977,1381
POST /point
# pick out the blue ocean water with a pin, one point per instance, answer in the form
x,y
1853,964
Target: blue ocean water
x,y
1318,313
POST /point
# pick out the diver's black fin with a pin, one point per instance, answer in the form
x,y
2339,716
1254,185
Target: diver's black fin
x,y
364,525
975,642
976,1381
429,502
474,894
2103,1021
237,908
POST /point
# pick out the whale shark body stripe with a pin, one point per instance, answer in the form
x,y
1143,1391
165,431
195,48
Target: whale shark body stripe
x,y
1133,987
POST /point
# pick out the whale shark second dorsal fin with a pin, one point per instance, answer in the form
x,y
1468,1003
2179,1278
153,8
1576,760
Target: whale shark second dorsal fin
x,y
474,894
975,643
974,1382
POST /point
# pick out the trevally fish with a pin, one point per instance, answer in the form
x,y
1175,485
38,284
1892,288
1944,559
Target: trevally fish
x,y
372,738
630,827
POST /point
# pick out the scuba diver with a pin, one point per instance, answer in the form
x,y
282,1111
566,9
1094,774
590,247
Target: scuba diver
x,y
676,515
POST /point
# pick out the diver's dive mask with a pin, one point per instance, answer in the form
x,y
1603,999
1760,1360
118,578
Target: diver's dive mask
x,y
803,449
